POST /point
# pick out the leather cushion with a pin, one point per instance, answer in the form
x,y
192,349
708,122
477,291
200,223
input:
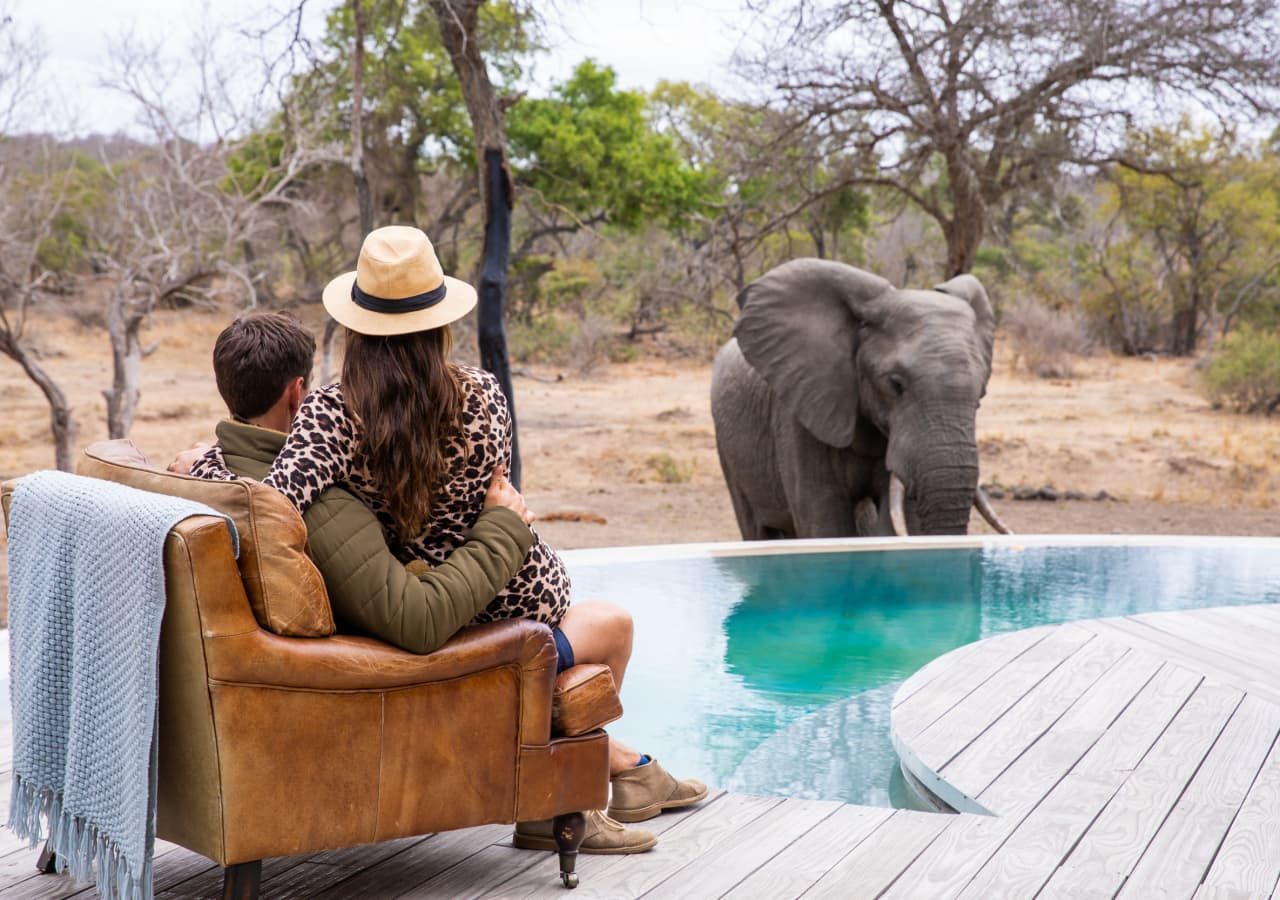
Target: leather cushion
x,y
285,588
584,699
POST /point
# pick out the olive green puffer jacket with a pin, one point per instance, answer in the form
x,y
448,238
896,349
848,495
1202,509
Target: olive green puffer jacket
x,y
371,591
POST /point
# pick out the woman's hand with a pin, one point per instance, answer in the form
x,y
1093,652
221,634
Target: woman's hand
x,y
182,464
503,493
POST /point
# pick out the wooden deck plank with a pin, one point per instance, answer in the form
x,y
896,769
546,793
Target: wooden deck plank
x,y
1190,654
1249,858
631,876
1179,856
943,740
1130,738
958,854
800,866
952,660
1028,858
979,764
1244,646
876,862
719,870
1255,618
1024,863
1116,840
417,863
1212,892
962,676
534,881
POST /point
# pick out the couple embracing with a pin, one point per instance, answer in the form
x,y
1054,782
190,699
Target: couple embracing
x,y
399,472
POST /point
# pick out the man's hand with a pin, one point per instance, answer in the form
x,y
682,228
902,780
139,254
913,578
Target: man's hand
x,y
503,493
183,462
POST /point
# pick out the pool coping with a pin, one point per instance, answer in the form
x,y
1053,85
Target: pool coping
x,y
598,556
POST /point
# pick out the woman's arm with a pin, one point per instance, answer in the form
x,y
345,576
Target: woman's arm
x,y
318,451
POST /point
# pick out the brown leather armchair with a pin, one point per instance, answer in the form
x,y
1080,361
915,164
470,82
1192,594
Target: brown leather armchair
x,y
273,745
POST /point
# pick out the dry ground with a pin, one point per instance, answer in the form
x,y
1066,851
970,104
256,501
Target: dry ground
x,y
629,451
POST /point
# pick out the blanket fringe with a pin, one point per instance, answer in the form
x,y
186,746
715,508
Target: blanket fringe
x,y
78,845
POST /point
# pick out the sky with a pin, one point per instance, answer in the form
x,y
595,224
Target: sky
x,y
644,40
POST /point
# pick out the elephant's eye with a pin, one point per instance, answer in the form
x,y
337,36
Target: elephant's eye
x,y
896,384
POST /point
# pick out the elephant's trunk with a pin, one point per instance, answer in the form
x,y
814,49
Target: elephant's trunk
x,y
941,479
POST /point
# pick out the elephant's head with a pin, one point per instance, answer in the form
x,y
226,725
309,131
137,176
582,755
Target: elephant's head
x,y
858,361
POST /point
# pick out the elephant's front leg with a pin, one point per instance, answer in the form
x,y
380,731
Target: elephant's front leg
x,y
823,485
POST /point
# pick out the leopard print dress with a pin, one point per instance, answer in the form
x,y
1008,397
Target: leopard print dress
x,y
321,451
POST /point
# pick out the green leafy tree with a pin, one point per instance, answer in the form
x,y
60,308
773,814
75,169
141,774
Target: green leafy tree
x,y
590,155
1200,222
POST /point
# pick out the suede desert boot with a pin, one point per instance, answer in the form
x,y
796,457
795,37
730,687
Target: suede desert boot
x,y
645,791
604,836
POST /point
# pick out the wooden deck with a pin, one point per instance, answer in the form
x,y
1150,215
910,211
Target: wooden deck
x,y
1121,757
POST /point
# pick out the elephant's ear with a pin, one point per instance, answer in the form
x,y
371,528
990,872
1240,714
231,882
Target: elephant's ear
x,y
799,330
970,290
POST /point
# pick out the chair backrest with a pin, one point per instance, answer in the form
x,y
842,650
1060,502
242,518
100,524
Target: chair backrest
x,y
285,588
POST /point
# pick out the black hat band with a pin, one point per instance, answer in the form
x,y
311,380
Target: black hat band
x,y
402,305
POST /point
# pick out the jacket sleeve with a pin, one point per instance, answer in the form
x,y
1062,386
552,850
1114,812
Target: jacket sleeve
x,y
372,591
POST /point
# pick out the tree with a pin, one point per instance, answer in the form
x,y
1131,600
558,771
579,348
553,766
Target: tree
x,y
960,104
35,187
1208,213
178,214
458,22
36,191
589,155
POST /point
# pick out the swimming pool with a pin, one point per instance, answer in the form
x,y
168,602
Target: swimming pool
x,y
770,669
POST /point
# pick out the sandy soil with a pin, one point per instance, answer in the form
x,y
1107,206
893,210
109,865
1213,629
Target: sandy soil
x,y
626,455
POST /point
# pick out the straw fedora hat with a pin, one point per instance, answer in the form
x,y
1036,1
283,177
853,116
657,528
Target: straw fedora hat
x,y
398,287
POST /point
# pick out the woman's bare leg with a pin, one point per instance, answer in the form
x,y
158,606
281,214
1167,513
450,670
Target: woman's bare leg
x,y
601,632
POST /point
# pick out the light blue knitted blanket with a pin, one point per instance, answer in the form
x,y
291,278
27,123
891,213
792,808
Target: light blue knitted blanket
x,y
86,595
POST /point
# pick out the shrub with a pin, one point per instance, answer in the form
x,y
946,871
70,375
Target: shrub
x,y
1245,371
1045,341
668,470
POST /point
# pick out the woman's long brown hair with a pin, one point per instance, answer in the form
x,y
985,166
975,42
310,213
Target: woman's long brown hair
x,y
407,401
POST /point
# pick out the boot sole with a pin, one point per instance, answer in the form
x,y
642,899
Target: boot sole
x,y
534,842
645,813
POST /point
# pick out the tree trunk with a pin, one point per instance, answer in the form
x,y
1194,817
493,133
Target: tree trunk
x,y
967,226
357,122
490,317
363,198
123,325
457,19
61,425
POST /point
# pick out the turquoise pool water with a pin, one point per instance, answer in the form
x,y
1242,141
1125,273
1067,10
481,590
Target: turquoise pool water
x,y
774,674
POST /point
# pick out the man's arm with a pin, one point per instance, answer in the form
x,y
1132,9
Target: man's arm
x,y
371,589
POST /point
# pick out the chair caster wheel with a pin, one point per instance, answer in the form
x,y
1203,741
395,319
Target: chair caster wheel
x,y
570,879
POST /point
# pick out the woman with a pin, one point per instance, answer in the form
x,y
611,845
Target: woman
x,y
418,439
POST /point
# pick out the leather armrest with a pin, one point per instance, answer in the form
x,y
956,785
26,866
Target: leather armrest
x,y
585,699
348,662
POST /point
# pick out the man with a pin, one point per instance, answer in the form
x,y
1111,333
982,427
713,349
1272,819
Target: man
x,y
262,363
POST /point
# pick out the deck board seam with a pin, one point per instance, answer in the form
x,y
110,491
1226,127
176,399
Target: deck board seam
x,y
1182,791
1049,727
1008,709
1243,800
980,684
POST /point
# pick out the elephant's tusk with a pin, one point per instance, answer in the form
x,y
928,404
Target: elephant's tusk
x,y
897,493
983,503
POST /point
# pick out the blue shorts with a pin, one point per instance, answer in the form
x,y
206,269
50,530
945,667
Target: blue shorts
x,y
564,651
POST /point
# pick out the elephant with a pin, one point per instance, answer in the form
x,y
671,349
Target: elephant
x,y
844,406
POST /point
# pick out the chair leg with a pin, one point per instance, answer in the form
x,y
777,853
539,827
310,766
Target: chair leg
x,y
569,830
47,863
242,881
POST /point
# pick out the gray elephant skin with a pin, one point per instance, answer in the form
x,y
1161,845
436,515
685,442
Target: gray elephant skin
x,y
839,391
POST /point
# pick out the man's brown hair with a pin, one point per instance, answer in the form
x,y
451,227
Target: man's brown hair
x,y
256,357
